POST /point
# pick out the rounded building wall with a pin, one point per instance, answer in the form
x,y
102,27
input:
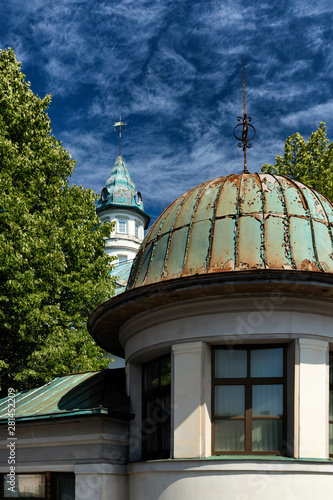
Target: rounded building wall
x,y
228,319
128,233
191,331
230,479
236,274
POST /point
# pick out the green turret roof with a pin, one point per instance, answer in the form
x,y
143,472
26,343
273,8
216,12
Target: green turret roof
x,y
120,191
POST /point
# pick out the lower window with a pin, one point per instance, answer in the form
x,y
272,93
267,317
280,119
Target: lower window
x,y
156,415
249,400
45,486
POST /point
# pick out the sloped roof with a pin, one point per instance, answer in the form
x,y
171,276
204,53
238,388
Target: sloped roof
x,y
121,272
102,392
120,191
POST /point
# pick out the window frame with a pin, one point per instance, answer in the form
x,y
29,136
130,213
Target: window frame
x,y
137,229
122,220
249,382
122,259
51,487
151,395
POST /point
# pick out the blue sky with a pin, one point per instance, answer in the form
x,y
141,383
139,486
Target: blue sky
x,y
173,70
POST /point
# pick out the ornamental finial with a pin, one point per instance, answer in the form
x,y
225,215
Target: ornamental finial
x,y
245,142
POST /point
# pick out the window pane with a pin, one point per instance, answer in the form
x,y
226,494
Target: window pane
x,y
165,371
149,427
65,486
230,363
161,410
27,485
166,436
151,376
267,435
151,443
267,362
229,435
122,225
331,369
331,405
267,400
229,400
331,439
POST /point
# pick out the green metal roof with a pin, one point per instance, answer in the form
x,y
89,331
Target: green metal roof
x,y
72,395
121,272
241,222
120,191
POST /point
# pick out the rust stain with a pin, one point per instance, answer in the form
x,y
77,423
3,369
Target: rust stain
x,y
239,222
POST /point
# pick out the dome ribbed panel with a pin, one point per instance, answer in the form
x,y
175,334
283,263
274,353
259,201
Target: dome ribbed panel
x,y
236,223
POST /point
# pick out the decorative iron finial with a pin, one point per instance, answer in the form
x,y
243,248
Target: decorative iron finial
x,y
119,124
245,142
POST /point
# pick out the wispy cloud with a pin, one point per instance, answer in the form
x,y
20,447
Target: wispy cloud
x,y
173,70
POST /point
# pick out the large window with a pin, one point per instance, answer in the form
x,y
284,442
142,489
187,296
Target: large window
x,y
156,408
249,401
331,407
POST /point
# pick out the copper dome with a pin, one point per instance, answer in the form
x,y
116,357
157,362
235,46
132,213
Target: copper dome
x,y
236,223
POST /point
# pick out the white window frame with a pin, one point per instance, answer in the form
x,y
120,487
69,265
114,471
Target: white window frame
x,y
122,259
137,229
122,220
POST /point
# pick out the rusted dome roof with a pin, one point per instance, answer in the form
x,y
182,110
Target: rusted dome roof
x,y
235,223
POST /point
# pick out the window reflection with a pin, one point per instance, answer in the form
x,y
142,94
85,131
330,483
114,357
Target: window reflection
x,y
26,486
248,400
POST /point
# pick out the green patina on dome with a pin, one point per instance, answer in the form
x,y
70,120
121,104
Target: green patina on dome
x,y
120,191
238,223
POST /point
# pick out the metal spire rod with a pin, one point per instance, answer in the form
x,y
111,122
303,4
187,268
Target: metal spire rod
x,y
243,88
245,142
119,124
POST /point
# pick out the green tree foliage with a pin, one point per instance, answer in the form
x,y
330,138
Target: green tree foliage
x,y
53,270
308,162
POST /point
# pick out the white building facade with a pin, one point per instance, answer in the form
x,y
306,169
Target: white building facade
x,y
227,329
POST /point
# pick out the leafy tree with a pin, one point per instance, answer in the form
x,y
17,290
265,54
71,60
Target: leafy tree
x,y
308,162
53,269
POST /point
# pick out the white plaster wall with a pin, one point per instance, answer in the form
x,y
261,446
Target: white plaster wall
x,y
116,251
186,328
262,318
119,243
313,398
231,480
187,400
100,482
62,444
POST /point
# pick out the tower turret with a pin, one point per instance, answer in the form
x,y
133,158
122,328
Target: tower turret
x,y
122,203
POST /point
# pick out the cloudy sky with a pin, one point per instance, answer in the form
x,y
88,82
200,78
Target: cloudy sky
x,y
173,70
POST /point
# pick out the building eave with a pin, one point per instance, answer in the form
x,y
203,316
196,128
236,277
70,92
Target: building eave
x,y
114,206
106,320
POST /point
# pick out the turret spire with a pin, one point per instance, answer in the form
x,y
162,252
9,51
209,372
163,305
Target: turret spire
x,y
119,124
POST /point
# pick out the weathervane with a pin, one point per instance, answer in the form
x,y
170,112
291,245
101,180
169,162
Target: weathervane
x,y
245,142
119,124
